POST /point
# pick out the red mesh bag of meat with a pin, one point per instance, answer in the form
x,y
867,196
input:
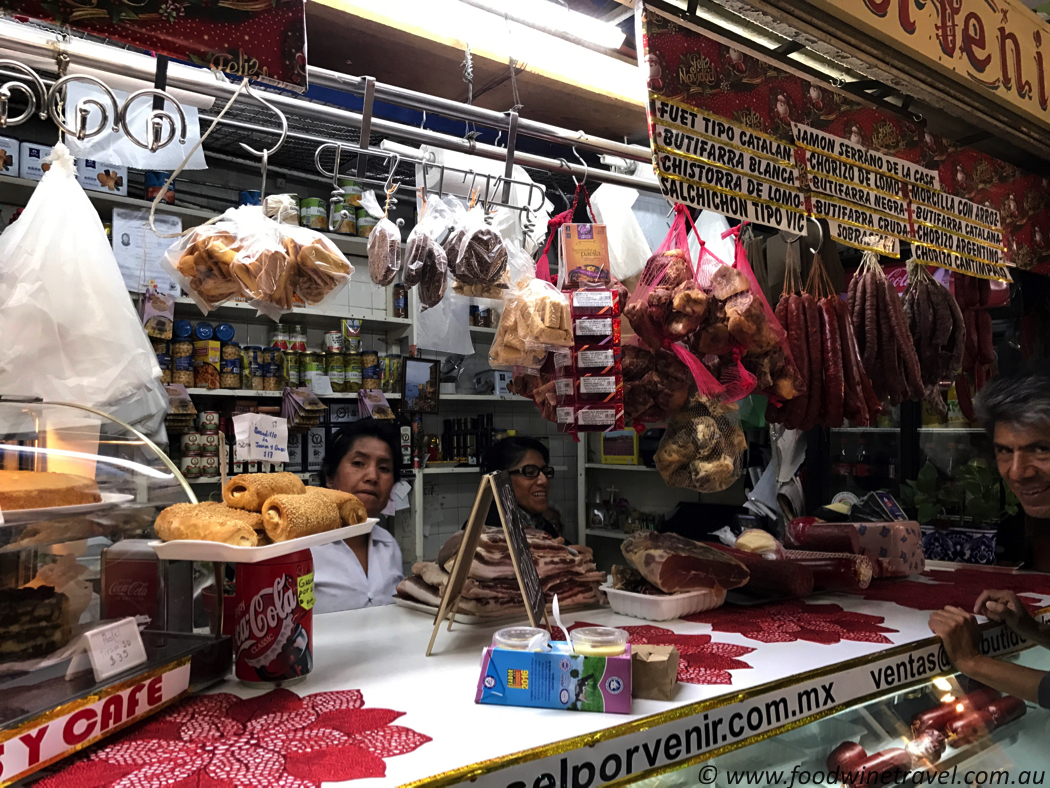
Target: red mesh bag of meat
x,y
668,307
744,345
703,447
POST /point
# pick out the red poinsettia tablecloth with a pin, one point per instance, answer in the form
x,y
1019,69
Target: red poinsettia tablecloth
x,y
276,740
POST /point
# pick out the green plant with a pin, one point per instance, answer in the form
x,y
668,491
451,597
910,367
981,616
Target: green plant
x,y
976,492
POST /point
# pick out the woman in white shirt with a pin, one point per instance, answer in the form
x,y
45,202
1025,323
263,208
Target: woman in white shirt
x,y
363,458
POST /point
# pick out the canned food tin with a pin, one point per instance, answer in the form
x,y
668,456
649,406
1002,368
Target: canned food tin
x,y
335,368
191,466
208,421
210,465
181,329
190,442
400,300
344,219
273,621
224,332
333,342
313,213
352,191
210,444
203,330
394,373
365,223
354,372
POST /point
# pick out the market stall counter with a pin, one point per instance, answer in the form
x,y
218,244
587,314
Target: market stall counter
x,y
376,707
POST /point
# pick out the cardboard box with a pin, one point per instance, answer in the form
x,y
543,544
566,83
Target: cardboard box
x,y
31,160
584,254
620,448
100,177
556,679
9,149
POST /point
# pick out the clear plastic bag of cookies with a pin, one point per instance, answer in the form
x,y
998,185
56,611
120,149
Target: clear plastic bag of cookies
x,y
482,267
319,270
422,248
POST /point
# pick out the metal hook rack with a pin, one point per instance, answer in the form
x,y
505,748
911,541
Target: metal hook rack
x,y
54,104
265,153
31,96
159,121
338,195
491,184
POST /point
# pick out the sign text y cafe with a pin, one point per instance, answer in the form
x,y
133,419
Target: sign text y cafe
x,y
998,45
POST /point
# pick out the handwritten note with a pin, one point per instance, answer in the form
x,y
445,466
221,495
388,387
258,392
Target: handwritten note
x,y
263,438
115,648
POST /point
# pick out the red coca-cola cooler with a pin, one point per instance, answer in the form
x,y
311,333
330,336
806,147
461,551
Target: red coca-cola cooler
x,y
137,583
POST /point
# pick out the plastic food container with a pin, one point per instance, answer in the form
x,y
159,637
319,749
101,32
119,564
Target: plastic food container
x,y
522,639
662,608
599,641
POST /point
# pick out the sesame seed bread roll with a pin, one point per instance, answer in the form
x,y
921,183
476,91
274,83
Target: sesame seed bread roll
x,y
291,516
250,490
351,510
210,521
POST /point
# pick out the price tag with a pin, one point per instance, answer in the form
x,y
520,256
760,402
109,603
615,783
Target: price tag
x,y
322,385
306,591
265,438
115,648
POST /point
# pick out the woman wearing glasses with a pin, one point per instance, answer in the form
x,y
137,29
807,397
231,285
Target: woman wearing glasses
x,y
527,460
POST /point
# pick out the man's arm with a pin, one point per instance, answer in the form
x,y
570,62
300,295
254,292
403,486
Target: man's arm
x,y
957,629
1005,607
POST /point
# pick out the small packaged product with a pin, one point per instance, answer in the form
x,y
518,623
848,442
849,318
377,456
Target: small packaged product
x,y
384,244
424,251
583,252
598,417
595,303
482,267
596,330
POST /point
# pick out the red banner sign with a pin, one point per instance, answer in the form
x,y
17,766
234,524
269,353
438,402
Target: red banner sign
x,y
264,40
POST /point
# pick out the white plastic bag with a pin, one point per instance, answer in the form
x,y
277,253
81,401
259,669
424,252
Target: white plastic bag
x,y
444,328
71,331
628,249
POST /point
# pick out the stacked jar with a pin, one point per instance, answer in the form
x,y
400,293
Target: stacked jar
x,y
311,364
190,461
229,357
335,361
208,424
371,377
272,361
297,339
182,353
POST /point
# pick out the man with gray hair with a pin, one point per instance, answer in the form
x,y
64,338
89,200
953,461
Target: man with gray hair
x,y
1015,411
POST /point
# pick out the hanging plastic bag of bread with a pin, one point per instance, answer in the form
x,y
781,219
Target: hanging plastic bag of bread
x,y
423,251
384,243
756,355
535,319
241,255
703,447
71,331
667,308
321,271
481,270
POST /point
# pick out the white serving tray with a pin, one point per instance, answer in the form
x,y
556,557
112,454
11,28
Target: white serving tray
x,y
198,550
109,500
661,608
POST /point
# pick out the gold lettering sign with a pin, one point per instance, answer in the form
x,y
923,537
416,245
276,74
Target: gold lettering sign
x,y
697,73
995,47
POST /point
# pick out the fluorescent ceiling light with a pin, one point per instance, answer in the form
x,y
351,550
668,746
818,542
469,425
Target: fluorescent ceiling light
x,y
555,15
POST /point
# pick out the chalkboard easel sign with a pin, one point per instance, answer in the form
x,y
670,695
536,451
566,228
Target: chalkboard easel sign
x,y
494,487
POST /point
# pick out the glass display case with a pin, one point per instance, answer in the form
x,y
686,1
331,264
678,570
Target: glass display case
x,y
79,492
1010,753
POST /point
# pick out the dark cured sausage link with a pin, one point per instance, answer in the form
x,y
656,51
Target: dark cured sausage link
x,y
857,313
942,333
984,292
926,343
796,327
871,404
957,340
962,391
980,376
825,537
851,292
886,375
783,577
970,353
1006,710
868,337
912,372
985,347
969,727
833,371
894,763
836,571
854,405
815,385
846,757
939,716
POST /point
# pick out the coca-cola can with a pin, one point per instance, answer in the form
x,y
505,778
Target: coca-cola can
x,y
273,621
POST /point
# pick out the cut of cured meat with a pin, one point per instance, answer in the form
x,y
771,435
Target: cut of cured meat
x,y
673,563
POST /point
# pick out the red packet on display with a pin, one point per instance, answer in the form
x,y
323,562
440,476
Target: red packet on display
x,y
596,331
603,417
594,303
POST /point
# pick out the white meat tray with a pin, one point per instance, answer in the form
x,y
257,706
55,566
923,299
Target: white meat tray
x,y
198,550
662,608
